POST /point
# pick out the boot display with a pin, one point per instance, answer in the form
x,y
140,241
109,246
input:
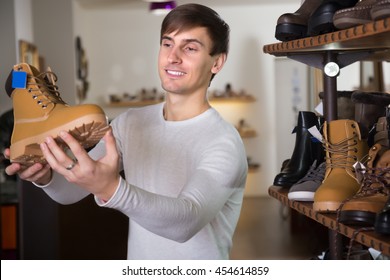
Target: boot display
x,y
369,107
363,207
353,16
292,26
306,151
343,146
39,112
321,20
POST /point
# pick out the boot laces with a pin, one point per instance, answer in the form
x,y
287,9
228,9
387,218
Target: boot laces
x,y
340,156
315,174
375,181
46,91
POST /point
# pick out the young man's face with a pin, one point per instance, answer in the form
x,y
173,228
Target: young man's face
x,y
184,63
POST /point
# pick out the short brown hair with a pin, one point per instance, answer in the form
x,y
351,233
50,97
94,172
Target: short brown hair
x,y
188,16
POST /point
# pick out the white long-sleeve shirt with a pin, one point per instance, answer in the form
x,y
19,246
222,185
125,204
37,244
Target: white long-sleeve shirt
x,y
183,185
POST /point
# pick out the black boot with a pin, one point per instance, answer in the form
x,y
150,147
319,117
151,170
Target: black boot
x,y
382,221
306,150
321,20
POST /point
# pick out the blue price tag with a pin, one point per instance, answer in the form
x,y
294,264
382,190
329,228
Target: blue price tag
x,y
19,79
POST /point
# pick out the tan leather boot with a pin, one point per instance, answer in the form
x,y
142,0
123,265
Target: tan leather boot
x,y
39,112
344,147
363,207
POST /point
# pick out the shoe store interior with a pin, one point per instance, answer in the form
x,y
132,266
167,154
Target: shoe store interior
x,y
306,84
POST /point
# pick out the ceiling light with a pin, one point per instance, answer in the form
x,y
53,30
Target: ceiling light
x,y
161,8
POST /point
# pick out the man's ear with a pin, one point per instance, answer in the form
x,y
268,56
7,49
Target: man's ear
x,y
218,63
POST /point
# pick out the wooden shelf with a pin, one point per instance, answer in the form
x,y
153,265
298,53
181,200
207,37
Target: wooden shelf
x,y
367,238
242,99
248,133
373,36
370,41
134,103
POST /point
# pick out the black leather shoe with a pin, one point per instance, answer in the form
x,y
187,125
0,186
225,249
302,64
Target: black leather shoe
x,y
321,20
306,151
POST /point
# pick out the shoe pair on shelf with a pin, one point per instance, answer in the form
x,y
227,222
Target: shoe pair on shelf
x,y
39,112
316,17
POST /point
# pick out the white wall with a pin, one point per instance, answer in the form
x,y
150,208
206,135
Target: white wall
x,y
16,24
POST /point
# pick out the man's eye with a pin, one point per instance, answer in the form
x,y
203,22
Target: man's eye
x,y
190,49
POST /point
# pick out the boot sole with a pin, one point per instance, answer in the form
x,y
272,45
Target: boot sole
x,y
382,13
301,196
326,206
286,32
358,218
321,24
87,130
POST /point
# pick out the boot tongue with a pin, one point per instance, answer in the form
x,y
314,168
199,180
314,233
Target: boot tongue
x,y
337,131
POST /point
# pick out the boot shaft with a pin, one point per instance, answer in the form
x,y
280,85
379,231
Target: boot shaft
x,y
344,146
381,135
369,107
39,97
345,106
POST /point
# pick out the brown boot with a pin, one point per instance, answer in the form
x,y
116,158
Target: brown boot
x,y
382,132
39,112
369,107
291,26
344,146
363,207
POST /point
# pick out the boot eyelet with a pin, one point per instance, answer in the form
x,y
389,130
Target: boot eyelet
x,y
30,90
355,150
39,102
34,97
353,125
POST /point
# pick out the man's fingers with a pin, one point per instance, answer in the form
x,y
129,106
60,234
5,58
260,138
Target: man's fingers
x,y
110,145
77,150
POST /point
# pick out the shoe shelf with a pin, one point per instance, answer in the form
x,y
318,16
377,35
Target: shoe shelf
x,y
367,238
370,41
330,52
140,103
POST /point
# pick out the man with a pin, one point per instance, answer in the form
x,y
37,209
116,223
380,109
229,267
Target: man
x,y
185,167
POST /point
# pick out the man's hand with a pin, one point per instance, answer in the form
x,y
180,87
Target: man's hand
x,y
100,177
37,173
